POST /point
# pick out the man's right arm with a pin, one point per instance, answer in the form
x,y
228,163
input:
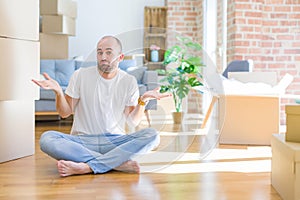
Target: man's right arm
x,y
64,104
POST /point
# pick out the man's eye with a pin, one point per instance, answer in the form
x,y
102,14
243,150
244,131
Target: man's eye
x,y
99,53
108,53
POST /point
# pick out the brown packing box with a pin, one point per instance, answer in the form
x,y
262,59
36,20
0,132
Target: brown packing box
x,y
19,63
249,118
54,46
245,119
58,24
58,7
19,19
285,173
292,123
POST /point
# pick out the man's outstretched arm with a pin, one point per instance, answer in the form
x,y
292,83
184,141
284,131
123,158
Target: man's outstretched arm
x,y
64,104
134,113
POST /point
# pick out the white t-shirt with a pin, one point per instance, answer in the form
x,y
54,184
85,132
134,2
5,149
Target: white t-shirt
x,y
101,104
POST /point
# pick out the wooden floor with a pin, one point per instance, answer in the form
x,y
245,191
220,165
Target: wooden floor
x,y
176,170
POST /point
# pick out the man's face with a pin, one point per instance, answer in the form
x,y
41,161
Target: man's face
x,y
108,55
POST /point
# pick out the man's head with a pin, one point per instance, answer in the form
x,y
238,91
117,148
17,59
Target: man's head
x,y
109,54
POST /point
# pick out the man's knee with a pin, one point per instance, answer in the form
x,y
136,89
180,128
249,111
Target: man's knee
x,y
45,140
146,133
152,135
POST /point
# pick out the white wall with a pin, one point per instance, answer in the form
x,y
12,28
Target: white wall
x,y
96,18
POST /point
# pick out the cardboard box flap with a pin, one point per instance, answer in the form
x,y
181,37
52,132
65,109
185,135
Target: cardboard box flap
x,y
290,149
256,83
255,77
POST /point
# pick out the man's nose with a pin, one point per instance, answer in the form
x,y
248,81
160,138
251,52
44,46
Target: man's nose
x,y
103,57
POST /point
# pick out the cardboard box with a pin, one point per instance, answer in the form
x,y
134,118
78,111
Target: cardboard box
x,y
248,119
292,123
19,19
249,111
59,7
59,24
16,129
19,63
54,46
285,175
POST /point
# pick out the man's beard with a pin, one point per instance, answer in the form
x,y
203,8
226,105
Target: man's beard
x,y
106,68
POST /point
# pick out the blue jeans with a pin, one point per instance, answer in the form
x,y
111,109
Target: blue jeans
x,y
102,152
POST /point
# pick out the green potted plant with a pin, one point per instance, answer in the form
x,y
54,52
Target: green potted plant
x,y
183,68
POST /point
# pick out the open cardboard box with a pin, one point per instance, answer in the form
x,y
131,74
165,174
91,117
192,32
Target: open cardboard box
x,y
251,115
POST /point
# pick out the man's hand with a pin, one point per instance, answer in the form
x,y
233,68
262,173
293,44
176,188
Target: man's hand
x,y
48,83
154,94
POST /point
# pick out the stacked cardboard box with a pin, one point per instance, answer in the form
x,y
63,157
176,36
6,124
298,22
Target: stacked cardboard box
x,y
19,63
285,177
58,22
292,123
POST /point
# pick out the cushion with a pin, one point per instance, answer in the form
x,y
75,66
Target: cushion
x,y
237,66
45,105
63,71
48,66
142,89
150,77
125,64
137,72
47,94
79,64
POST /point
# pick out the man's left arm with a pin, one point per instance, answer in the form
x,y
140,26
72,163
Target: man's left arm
x,y
134,113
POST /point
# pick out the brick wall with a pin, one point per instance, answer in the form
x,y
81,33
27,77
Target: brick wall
x,y
184,18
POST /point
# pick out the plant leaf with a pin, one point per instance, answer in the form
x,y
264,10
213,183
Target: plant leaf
x,y
163,89
194,82
161,71
195,60
172,54
193,45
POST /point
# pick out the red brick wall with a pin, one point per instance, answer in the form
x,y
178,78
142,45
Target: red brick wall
x,y
184,18
269,27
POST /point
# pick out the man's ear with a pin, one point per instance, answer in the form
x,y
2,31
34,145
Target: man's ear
x,y
121,57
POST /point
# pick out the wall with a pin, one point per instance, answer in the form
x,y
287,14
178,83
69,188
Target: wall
x,y
114,17
185,17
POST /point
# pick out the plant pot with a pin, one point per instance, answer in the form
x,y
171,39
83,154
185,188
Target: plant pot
x,y
177,117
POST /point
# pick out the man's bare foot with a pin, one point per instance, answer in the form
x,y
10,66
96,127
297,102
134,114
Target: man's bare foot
x,y
68,168
129,167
